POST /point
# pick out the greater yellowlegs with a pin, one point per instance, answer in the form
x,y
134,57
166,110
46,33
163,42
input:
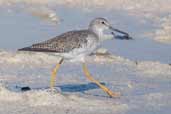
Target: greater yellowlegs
x,y
76,45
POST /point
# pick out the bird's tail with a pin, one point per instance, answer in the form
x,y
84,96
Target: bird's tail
x,y
26,49
35,49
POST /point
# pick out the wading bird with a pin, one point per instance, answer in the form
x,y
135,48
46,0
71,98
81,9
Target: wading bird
x,y
76,45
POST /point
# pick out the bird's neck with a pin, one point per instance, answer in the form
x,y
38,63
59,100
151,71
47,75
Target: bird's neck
x,y
97,31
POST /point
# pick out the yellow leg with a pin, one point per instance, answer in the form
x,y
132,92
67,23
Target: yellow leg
x,y
104,88
53,75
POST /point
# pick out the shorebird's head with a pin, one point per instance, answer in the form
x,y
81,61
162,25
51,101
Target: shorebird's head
x,y
99,25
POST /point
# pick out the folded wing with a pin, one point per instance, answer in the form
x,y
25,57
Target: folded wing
x,y
60,44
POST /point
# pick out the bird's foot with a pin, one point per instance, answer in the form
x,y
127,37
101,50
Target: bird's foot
x,y
113,94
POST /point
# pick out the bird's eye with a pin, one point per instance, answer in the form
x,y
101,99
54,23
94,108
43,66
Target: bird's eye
x,y
103,22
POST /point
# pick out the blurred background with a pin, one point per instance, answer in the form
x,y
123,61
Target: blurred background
x,y
24,22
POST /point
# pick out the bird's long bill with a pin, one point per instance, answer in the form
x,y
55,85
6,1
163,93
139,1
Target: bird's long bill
x,y
119,31
125,35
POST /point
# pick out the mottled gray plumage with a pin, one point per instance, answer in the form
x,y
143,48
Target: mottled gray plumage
x,y
63,43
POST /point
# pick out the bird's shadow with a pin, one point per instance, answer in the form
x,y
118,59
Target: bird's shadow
x,y
66,87
78,87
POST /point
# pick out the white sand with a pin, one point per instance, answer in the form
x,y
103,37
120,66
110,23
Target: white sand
x,y
145,84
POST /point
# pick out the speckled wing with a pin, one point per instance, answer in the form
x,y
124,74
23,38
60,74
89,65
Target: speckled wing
x,y
66,42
